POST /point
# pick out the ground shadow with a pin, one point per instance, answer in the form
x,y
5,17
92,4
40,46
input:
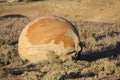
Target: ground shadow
x,y
95,55
13,16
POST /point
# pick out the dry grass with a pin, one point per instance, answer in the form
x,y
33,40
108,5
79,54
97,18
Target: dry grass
x,y
99,35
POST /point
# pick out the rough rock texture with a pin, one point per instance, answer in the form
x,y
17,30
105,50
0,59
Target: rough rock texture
x,y
48,39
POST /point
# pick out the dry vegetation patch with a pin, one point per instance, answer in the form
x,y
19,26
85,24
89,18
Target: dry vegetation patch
x,y
93,40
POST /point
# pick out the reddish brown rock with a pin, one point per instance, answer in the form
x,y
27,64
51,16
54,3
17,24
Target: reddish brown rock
x,y
48,38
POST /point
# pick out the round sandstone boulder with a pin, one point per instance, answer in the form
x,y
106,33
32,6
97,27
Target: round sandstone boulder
x,y
48,38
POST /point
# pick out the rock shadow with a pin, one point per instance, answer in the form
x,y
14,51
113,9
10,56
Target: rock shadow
x,y
109,32
95,55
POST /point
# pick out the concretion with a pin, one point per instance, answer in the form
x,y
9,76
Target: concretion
x,y
48,38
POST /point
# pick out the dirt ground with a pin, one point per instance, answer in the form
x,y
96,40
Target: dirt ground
x,y
98,24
